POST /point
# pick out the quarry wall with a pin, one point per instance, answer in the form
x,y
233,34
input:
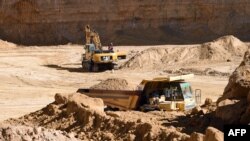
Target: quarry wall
x,y
124,22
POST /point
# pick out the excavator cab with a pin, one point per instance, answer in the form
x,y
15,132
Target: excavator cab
x,y
96,58
90,48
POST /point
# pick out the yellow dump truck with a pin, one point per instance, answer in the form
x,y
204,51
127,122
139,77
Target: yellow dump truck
x,y
166,93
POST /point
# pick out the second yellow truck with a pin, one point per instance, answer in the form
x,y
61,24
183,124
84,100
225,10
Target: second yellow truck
x,y
166,93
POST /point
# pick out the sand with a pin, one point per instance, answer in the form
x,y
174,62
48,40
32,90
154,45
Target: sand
x,y
226,48
32,75
113,84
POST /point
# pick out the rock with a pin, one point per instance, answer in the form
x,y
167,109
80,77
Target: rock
x,y
71,135
177,136
230,111
85,117
213,134
239,81
60,98
139,121
130,137
226,102
113,114
142,131
248,97
196,137
234,103
245,118
204,111
37,130
108,136
52,109
77,101
26,138
196,110
208,101
26,133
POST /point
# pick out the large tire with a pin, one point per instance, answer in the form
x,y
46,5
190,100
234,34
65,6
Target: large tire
x,y
86,66
95,68
110,66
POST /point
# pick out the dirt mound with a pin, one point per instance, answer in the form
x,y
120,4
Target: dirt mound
x,y
155,58
25,133
84,118
73,114
233,106
5,44
223,49
114,84
79,100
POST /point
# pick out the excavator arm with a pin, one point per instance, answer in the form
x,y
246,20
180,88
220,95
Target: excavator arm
x,y
92,37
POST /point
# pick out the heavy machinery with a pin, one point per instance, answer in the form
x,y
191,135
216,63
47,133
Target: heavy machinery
x,y
95,57
166,93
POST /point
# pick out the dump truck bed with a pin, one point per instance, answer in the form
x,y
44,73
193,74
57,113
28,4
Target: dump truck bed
x,y
122,99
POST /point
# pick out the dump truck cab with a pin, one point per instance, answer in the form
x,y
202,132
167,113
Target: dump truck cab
x,y
167,95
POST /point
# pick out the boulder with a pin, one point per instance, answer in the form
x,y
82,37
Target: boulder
x,y
61,98
196,110
234,103
76,101
248,97
245,118
208,101
230,111
213,134
196,137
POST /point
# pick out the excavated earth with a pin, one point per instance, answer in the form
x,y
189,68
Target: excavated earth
x,y
27,133
233,106
85,116
113,84
227,48
30,77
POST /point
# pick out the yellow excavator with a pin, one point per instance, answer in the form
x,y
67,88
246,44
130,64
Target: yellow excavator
x,y
95,57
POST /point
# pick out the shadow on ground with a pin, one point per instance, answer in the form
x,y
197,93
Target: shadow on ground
x,y
70,69
194,123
